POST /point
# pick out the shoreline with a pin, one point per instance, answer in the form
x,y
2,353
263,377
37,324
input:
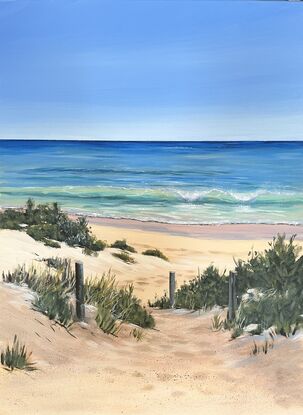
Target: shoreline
x,y
237,231
227,231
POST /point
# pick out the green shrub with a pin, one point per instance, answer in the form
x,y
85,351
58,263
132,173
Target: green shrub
x,y
278,267
160,302
273,287
122,244
203,292
156,253
17,357
141,317
11,219
49,222
271,309
96,244
44,231
124,256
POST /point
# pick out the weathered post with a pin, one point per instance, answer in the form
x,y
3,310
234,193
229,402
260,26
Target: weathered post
x,y
172,288
80,309
232,296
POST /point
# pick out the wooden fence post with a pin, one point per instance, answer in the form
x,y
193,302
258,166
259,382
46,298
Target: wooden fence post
x,y
80,308
232,296
172,288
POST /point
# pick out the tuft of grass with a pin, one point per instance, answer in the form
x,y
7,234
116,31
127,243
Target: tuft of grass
x,y
123,245
51,243
155,252
138,334
129,309
53,290
121,304
124,256
17,357
89,252
266,346
236,332
217,323
54,302
106,321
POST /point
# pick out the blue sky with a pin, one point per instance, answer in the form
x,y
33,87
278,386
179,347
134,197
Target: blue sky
x,y
163,70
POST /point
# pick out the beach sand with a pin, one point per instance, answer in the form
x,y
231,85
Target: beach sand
x,y
180,368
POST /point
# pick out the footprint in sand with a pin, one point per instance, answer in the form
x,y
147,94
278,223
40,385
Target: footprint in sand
x,y
147,387
177,394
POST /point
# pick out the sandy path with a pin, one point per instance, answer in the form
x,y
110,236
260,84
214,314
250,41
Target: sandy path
x,y
184,368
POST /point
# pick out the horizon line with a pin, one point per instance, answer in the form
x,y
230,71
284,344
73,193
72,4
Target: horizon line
x,y
156,140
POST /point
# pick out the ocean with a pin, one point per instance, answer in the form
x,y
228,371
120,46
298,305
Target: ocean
x,y
174,182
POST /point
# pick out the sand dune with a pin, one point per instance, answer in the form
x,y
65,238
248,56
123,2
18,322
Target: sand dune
x,y
180,368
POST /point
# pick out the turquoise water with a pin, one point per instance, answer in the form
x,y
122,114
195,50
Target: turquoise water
x,y
178,182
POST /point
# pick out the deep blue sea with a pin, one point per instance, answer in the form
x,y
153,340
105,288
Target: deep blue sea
x,y
178,182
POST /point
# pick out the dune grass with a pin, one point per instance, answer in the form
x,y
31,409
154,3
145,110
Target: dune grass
x,y
156,253
124,256
123,245
54,286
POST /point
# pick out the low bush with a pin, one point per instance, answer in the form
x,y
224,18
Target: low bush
x,y
46,222
272,287
203,292
279,267
11,219
162,303
122,244
17,357
271,309
124,256
156,253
